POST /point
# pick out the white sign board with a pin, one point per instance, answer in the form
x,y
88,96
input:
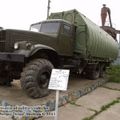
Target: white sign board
x,y
59,79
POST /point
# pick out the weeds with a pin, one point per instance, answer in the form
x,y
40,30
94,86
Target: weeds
x,y
103,108
113,73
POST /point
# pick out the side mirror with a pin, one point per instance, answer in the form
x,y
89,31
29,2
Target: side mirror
x,y
1,28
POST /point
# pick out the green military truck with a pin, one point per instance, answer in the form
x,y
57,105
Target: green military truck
x,y
67,40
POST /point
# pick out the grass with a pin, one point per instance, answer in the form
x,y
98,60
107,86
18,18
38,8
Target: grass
x,y
113,73
105,107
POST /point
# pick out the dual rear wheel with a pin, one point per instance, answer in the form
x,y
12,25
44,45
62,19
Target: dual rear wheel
x,y
95,71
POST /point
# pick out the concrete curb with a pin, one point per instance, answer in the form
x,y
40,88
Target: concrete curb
x,y
71,96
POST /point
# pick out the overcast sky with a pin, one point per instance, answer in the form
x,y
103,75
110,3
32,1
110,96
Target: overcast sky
x,y
19,14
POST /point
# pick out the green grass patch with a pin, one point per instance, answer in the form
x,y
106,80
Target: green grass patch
x,y
113,73
105,107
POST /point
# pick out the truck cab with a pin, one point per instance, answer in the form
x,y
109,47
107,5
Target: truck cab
x,y
62,30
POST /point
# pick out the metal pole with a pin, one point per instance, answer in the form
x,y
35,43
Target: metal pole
x,y
48,8
56,105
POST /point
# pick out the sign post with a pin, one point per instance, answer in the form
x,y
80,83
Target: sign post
x,y
58,81
56,105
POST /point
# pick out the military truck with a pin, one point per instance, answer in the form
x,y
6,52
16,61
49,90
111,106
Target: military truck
x,y
67,40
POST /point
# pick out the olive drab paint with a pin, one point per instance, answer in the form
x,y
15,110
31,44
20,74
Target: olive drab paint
x,y
66,40
91,41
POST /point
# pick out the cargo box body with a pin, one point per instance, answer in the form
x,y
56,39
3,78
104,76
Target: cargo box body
x,y
90,41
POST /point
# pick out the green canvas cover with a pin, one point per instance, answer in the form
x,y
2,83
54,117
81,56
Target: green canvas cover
x,y
91,41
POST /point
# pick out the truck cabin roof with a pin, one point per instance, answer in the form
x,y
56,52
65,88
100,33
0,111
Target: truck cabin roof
x,y
52,20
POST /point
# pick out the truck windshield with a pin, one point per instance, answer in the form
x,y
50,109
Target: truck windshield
x,y
46,27
49,27
35,27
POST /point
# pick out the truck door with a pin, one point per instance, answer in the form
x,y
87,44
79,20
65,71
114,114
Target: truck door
x,y
66,38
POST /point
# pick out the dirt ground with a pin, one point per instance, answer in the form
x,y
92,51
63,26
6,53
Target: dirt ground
x,y
16,96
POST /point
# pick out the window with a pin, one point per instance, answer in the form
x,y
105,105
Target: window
x,y
50,27
66,29
46,27
35,27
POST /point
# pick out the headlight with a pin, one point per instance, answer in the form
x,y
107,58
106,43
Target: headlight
x,y
28,45
22,45
16,46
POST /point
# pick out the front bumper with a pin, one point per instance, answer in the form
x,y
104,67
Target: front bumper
x,y
11,57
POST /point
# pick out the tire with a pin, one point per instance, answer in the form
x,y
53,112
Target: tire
x,y
35,78
102,70
94,72
5,80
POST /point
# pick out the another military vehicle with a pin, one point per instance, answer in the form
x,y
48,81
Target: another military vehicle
x,y
66,40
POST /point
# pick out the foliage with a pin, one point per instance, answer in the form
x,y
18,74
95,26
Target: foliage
x,y
113,73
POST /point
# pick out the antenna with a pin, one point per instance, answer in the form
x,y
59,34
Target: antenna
x,y
48,8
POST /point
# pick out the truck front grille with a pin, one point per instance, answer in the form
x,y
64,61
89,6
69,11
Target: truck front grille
x,y
2,41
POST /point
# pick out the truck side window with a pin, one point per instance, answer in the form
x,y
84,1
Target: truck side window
x,y
66,29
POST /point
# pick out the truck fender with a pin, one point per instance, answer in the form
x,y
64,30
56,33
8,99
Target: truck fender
x,y
49,52
34,49
39,47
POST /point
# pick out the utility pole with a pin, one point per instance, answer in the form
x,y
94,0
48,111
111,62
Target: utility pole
x,y
48,8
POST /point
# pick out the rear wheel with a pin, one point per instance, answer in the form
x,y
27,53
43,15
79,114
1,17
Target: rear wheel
x,y
93,72
35,78
102,70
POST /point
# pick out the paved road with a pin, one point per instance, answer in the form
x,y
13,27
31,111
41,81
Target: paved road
x,y
92,103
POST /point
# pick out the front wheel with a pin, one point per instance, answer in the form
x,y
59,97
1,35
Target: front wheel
x,y
35,78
